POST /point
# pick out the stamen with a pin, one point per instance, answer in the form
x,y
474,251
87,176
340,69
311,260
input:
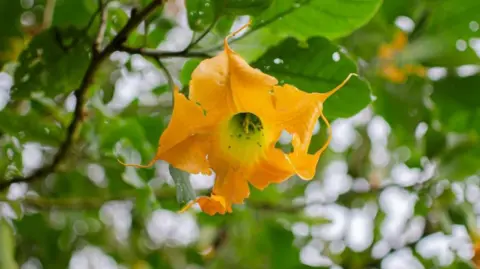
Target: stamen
x,y
246,123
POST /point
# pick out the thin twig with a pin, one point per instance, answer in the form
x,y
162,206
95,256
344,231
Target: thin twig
x,y
163,54
80,95
84,203
203,35
171,83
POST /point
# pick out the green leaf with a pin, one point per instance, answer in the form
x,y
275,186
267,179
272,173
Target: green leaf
x,y
7,246
117,18
284,253
203,13
312,68
187,70
48,68
16,206
73,13
306,18
224,25
11,163
30,127
185,190
244,7
456,100
34,230
11,38
200,14
157,32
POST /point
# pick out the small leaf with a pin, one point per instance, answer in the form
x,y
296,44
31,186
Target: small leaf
x,y
305,18
187,70
200,14
185,190
48,68
7,246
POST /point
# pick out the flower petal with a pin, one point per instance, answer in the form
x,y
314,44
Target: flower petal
x,y
231,183
185,141
189,155
298,113
273,168
306,164
210,86
226,84
214,204
210,205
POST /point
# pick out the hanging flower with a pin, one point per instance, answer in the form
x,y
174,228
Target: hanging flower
x,y
389,68
230,123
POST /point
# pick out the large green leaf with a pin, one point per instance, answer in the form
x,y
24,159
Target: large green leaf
x,y
317,66
243,7
306,18
49,68
201,13
73,13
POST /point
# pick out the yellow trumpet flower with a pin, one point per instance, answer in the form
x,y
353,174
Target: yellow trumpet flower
x,y
230,123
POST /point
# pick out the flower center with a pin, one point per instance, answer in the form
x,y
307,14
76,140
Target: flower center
x,y
244,138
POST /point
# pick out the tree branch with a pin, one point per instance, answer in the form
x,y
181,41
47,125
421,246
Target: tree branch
x,y
80,94
163,54
84,203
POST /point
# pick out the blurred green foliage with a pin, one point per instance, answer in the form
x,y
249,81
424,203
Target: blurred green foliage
x,y
88,206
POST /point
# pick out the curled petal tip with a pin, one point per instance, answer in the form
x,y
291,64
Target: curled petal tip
x,y
187,206
136,165
237,31
331,92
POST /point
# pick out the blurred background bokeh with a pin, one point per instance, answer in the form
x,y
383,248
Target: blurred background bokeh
x,y
398,187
